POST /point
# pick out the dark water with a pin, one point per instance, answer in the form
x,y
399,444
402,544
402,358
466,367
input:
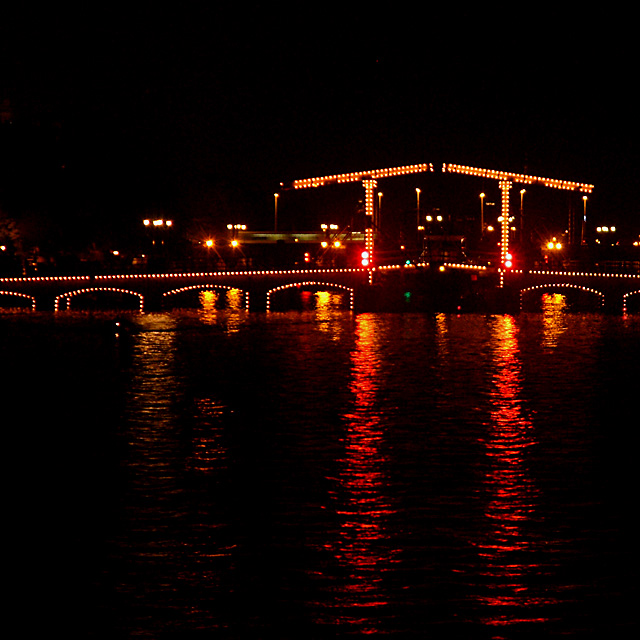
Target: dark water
x,y
318,474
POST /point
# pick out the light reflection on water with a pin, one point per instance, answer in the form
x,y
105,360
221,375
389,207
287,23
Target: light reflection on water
x,y
507,549
363,545
321,473
554,315
225,306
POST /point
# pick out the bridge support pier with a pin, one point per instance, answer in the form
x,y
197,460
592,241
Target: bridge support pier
x,y
505,186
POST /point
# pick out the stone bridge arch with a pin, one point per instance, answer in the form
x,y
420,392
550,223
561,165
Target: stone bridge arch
x,y
560,288
318,286
22,296
626,299
64,299
207,287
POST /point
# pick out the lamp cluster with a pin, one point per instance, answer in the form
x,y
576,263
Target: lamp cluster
x,y
158,222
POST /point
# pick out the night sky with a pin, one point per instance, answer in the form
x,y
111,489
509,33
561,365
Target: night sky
x,y
197,112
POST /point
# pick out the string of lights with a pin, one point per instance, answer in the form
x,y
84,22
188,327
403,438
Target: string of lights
x,y
201,287
359,176
517,177
66,297
523,292
332,285
214,277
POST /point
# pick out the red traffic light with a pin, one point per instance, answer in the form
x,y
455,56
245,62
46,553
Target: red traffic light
x,y
364,258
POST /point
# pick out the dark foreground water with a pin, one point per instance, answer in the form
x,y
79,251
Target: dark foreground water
x,y
319,474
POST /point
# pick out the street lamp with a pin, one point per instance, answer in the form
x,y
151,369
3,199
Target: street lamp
x,y
584,219
275,222
418,206
482,214
377,224
522,192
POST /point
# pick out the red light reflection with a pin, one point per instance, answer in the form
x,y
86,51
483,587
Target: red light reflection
x,y
209,455
507,549
362,544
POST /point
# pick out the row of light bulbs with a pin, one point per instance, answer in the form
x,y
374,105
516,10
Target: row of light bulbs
x,y
197,287
311,283
219,274
564,286
357,176
493,174
70,294
587,274
517,177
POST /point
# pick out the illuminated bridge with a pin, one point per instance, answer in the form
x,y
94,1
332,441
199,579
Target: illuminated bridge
x,y
609,292
151,292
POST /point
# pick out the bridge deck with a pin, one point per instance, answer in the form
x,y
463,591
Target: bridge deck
x,y
55,292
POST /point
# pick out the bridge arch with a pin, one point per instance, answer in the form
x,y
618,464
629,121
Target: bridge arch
x,y
65,298
208,287
625,299
312,283
21,295
558,288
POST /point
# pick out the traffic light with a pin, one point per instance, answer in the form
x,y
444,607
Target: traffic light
x,y
307,257
364,258
507,263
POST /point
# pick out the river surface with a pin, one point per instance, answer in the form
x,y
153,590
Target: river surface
x,y
320,474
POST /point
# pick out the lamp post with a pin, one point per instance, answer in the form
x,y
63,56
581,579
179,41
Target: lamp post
x,y
275,213
418,207
522,192
584,220
379,216
481,215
